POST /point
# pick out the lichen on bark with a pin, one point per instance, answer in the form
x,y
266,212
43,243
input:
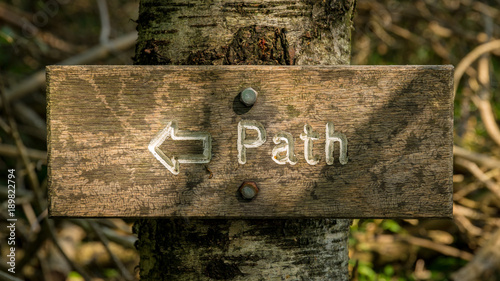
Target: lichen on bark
x,y
171,32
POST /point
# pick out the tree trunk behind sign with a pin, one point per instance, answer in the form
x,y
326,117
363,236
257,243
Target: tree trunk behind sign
x,y
225,32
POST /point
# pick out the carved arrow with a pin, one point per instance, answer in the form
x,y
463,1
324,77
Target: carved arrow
x,y
172,163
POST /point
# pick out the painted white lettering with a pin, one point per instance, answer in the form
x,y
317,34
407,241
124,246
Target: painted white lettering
x,y
331,138
308,136
283,151
243,143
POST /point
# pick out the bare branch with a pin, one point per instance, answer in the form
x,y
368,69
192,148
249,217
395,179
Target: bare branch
x,y
12,17
29,116
480,175
37,80
127,241
486,260
470,229
105,25
8,277
441,248
444,249
473,56
486,112
104,240
467,212
480,159
11,151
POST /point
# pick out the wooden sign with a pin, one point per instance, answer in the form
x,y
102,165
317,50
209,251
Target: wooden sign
x,y
250,141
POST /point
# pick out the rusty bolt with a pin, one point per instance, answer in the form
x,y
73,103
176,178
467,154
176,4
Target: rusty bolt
x,y
248,190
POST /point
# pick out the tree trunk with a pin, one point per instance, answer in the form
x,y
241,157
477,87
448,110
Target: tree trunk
x,y
208,32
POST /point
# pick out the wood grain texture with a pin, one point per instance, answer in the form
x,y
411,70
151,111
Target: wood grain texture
x,y
397,119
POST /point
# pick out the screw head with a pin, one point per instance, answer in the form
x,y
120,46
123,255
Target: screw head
x,y
248,190
248,96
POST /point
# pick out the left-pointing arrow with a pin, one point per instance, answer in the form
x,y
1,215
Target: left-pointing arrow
x,y
172,163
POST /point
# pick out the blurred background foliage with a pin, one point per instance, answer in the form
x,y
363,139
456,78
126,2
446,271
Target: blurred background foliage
x,y
464,33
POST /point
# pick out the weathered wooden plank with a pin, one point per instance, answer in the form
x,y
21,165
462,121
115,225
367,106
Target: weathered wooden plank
x,y
397,121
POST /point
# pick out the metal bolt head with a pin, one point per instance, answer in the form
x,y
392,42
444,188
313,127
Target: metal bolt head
x,y
248,190
249,96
